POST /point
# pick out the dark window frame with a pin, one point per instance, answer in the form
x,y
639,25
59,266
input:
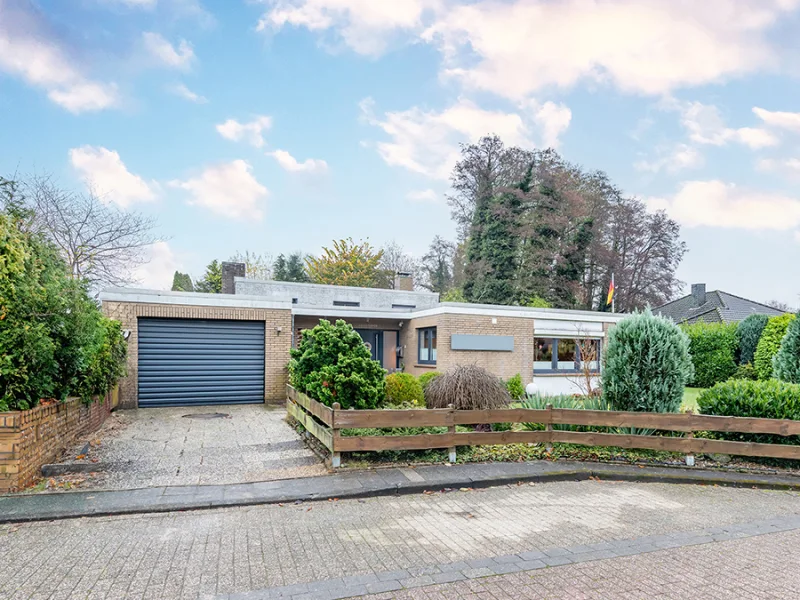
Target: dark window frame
x,y
577,361
422,334
349,303
404,306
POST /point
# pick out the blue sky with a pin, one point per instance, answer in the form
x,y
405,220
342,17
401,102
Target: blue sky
x,y
277,125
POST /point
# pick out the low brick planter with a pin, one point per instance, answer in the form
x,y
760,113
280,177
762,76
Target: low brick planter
x,y
32,438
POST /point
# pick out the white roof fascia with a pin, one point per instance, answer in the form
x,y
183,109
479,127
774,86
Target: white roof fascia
x,y
190,299
354,313
523,312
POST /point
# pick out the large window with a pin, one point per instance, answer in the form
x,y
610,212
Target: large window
x,y
426,354
565,355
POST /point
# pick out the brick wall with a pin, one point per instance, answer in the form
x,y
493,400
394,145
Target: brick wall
x,y
502,364
276,344
32,438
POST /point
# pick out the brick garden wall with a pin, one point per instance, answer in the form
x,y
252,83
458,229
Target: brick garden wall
x,y
276,344
32,438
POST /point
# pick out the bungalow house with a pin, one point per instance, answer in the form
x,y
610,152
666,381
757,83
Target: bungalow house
x,y
187,348
713,307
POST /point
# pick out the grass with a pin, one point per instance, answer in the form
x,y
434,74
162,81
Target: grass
x,y
690,395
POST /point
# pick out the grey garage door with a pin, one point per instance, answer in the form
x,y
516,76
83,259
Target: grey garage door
x,y
185,362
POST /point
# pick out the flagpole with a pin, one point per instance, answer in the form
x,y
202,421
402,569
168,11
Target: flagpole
x,y
614,294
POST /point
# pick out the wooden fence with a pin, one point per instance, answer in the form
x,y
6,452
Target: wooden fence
x,y
326,423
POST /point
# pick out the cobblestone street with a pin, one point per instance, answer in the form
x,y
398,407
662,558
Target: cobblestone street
x,y
560,540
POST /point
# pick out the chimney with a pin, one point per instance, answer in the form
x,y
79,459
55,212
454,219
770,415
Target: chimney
x,y
699,293
229,271
403,282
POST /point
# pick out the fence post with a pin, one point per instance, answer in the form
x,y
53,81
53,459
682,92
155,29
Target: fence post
x,y
451,429
336,458
689,436
549,427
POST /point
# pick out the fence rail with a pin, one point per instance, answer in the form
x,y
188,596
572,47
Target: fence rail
x,y
326,424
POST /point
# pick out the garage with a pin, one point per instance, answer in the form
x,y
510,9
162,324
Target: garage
x,y
191,362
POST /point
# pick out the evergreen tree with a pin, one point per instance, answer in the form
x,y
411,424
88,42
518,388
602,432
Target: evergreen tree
x,y
290,269
569,271
786,364
279,271
211,282
181,282
749,332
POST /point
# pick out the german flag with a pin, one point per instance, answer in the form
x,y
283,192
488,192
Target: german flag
x,y
611,289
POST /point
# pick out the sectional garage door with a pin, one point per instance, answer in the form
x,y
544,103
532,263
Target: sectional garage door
x,y
187,362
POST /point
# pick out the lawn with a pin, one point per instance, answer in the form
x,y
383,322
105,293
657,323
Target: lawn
x,y
690,395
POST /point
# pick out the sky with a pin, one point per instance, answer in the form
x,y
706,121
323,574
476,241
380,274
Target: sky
x,y
275,126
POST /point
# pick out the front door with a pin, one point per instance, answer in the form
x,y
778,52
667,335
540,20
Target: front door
x,y
374,341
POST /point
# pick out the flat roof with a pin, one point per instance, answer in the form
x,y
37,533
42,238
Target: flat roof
x,y
145,296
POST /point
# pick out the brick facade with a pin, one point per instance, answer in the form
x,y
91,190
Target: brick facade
x,y
32,438
277,330
502,364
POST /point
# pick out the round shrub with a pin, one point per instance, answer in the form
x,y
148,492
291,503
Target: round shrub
x,y
786,364
403,388
426,378
770,343
749,332
515,388
713,348
467,387
332,364
647,364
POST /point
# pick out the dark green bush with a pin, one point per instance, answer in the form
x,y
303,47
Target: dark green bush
x,y
786,364
749,332
403,388
55,342
763,399
746,371
770,343
515,388
332,364
647,364
713,348
426,378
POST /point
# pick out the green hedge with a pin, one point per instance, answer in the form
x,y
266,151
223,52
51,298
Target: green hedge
x,y
763,399
713,347
770,343
786,364
749,332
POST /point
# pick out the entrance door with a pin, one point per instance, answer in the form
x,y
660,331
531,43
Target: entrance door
x,y
374,341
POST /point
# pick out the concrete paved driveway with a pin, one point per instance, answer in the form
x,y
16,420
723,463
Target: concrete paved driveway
x,y
197,445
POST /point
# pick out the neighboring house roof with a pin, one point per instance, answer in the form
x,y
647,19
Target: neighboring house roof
x,y
719,307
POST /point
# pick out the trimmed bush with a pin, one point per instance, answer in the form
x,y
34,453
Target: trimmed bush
x,y
749,332
515,388
786,364
764,399
403,389
647,364
770,343
467,387
747,371
713,348
332,364
426,378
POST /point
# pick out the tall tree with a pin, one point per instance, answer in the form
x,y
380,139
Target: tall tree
x,y
211,281
347,263
101,244
290,269
257,266
437,266
396,260
181,282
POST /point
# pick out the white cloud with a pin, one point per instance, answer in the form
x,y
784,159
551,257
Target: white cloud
x,y
105,173
147,4
427,141
363,24
786,166
228,189
717,204
554,120
29,51
165,53
705,125
423,196
158,272
250,132
291,164
781,120
180,90
672,159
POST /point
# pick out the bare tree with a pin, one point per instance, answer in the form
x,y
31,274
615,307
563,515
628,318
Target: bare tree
x,y
257,266
101,244
778,305
395,259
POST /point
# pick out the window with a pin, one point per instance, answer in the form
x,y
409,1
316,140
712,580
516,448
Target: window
x,y
565,355
345,303
294,300
404,306
426,354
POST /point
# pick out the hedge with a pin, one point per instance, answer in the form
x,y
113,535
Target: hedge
x,y
749,332
770,343
713,347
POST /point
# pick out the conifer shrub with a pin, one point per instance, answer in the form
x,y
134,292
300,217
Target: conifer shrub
x,y
786,364
749,332
770,343
647,364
